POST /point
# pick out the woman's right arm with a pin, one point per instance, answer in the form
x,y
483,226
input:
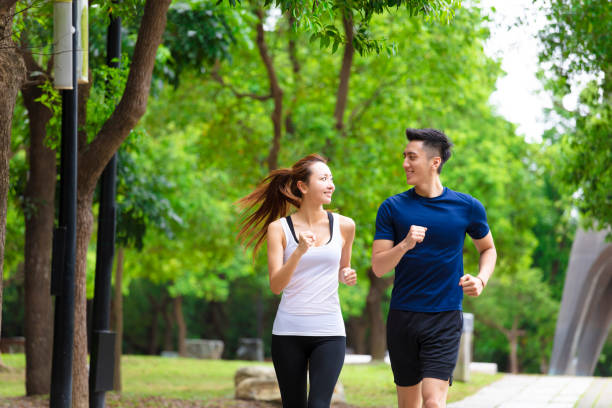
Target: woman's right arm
x,y
280,274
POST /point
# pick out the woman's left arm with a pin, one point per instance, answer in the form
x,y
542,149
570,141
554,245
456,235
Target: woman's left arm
x,y
346,274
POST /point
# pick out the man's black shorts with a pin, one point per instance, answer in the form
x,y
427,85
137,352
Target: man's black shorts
x,y
423,345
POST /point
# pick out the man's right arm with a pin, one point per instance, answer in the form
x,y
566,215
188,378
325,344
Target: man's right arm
x,y
385,256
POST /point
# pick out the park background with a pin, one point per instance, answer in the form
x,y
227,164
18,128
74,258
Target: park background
x,y
237,91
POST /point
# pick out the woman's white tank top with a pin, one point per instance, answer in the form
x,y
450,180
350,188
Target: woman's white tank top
x,y
310,305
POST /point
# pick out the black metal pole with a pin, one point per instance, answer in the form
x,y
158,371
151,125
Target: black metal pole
x,y
102,351
65,249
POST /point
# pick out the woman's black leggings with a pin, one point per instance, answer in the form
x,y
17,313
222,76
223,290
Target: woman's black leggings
x,y
321,356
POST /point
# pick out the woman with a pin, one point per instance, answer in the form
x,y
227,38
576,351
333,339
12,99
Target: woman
x,y
309,252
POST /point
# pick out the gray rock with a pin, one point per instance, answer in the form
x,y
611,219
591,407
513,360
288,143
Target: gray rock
x,y
258,389
250,349
261,372
201,348
259,383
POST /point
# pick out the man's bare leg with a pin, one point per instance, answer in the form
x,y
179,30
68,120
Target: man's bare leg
x,y
434,392
409,397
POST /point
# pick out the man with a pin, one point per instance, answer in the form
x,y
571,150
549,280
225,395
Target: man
x,y
420,233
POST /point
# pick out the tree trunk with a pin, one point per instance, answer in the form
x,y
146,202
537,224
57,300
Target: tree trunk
x,y
12,75
180,324
153,329
513,357
513,336
92,161
378,331
117,318
39,212
275,91
345,72
357,328
80,372
169,326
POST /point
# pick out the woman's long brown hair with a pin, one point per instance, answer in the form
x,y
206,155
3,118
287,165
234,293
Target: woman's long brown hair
x,y
272,198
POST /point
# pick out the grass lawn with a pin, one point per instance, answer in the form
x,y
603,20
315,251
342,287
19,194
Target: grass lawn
x,y
368,385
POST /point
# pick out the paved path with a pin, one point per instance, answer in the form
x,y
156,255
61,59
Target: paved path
x,y
532,391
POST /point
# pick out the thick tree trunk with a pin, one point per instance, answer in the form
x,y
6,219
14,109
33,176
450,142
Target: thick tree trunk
x,y
39,211
12,75
378,332
180,324
117,318
357,328
80,374
92,161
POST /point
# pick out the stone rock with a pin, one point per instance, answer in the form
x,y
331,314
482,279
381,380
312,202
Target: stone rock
x,y
250,349
259,383
262,372
338,395
258,389
201,348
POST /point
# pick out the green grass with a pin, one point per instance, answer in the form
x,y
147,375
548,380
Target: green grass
x,y
366,385
12,383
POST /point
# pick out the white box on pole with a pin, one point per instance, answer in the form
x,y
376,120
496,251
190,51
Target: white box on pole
x,y
62,44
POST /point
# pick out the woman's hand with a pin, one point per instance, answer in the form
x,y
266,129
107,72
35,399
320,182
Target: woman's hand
x,y
348,276
306,240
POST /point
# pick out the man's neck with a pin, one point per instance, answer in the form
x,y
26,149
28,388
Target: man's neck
x,y
430,189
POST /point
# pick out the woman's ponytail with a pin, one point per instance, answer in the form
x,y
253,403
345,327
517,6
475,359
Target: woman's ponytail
x,y
272,198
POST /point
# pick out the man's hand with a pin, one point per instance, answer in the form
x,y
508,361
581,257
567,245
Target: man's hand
x,y
415,235
472,285
348,276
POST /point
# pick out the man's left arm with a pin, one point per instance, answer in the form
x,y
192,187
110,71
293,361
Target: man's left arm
x,y
474,285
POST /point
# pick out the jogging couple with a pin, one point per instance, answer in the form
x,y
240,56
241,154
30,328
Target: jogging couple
x,y
420,233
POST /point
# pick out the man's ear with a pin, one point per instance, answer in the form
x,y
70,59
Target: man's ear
x,y
436,162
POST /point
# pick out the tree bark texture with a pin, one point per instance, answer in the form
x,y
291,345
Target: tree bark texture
x,y
39,211
180,324
117,318
12,75
378,332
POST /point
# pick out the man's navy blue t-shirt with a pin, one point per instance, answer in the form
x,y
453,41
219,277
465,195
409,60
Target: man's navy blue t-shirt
x,y
427,276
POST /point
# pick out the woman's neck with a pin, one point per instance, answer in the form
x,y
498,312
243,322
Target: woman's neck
x,y
310,214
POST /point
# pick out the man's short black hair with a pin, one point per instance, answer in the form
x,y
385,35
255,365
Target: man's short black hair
x,y
433,139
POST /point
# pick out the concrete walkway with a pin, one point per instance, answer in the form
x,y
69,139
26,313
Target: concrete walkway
x,y
532,391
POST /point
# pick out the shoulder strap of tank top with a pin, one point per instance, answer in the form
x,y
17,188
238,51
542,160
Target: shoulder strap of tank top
x,y
330,217
290,224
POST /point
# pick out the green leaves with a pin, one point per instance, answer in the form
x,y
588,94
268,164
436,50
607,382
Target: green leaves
x,y
197,35
576,48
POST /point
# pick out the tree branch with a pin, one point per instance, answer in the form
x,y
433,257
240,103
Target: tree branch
x,y
275,91
345,71
215,75
94,157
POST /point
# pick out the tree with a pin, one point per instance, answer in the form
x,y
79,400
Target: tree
x,y
93,157
12,75
576,43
